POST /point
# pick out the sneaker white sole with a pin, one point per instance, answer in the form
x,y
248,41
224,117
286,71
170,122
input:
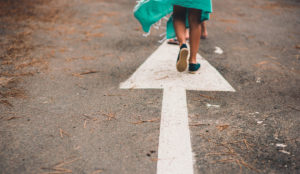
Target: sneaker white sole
x,y
193,72
182,62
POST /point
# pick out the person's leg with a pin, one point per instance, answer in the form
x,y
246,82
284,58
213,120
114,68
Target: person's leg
x,y
187,34
204,31
179,16
176,42
195,33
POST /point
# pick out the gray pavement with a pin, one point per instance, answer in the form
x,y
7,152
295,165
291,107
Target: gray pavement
x,y
61,109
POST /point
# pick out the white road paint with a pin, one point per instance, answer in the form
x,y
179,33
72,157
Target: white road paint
x,y
159,72
281,145
210,105
284,151
218,50
175,151
259,122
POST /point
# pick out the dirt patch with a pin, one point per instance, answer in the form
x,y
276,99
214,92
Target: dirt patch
x,y
277,6
19,21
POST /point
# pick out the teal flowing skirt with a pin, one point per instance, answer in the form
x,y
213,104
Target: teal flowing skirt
x,y
148,12
204,5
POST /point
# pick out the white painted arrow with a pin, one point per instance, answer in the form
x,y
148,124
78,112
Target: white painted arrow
x,y
159,71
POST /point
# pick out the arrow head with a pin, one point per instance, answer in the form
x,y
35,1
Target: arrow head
x,y
159,71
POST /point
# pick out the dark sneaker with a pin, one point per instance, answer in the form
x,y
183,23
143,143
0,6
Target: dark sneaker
x,y
182,59
193,68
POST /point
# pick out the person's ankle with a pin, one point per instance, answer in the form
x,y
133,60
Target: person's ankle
x,y
183,46
180,44
193,61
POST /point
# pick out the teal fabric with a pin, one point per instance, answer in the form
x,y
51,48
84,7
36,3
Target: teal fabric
x,y
204,5
148,12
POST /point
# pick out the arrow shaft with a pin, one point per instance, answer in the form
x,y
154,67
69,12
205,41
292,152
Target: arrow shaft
x,y
174,151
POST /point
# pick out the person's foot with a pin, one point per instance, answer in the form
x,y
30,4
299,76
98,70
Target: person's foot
x,y
173,41
181,64
194,67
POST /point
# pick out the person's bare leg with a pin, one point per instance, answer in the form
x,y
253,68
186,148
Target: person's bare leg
x,y
195,33
204,31
176,42
179,16
187,34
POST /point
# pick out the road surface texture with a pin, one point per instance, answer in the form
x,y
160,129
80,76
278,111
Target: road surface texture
x,y
61,109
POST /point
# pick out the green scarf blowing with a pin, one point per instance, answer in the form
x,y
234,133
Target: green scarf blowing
x,y
148,12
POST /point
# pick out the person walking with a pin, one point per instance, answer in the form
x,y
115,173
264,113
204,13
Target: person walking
x,y
194,19
186,14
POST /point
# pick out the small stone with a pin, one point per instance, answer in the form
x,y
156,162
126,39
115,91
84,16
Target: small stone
x,y
258,80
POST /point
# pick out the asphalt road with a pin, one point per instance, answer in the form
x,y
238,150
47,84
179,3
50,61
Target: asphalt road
x,y
61,109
